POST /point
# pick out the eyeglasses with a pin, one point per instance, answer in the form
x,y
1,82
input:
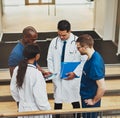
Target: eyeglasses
x,y
79,47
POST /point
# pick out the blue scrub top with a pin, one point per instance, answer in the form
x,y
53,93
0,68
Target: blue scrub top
x,y
16,55
94,69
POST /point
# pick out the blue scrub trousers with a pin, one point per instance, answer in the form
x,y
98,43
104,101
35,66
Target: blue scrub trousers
x,y
92,114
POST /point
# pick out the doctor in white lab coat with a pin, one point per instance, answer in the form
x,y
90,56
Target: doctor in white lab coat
x,y
65,90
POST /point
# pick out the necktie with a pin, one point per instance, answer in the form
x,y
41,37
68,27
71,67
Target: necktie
x,y
63,51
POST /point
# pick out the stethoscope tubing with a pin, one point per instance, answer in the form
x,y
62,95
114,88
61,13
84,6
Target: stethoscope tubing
x,y
59,37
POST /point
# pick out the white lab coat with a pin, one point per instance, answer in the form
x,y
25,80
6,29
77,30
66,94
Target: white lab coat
x,y
65,90
32,96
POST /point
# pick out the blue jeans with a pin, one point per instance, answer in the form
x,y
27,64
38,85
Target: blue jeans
x,y
92,114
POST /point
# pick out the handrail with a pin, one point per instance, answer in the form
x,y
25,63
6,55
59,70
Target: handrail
x,y
52,112
12,42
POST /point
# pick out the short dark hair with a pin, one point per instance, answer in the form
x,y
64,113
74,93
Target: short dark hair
x,y
27,30
85,39
64,25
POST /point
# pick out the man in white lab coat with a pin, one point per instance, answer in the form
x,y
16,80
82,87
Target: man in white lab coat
x,y
65,90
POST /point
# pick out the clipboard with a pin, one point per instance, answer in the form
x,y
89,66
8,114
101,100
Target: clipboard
x,y
67,67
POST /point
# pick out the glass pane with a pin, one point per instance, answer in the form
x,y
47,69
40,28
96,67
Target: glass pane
x,y
46,1
33,1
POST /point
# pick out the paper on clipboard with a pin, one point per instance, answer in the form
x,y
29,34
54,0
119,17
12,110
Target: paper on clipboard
x,y
67,67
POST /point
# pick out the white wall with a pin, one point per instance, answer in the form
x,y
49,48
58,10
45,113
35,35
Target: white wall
x,y
71,1
118,51
105,18
22,2
13,2
99,16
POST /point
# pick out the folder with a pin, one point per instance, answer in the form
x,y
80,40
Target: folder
x,y
67,67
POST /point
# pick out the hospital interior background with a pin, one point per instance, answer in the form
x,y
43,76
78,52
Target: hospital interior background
x,y
99,18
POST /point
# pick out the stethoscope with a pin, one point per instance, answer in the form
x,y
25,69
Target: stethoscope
x,y
71,50
73,41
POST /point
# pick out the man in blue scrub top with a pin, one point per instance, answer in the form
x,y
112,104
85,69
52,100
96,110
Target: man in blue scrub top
x,y
30,36
92,81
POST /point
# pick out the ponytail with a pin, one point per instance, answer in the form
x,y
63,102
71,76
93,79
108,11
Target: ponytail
x,y
30,51
21,72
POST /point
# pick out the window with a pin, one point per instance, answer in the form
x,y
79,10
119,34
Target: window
x,y
39,2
